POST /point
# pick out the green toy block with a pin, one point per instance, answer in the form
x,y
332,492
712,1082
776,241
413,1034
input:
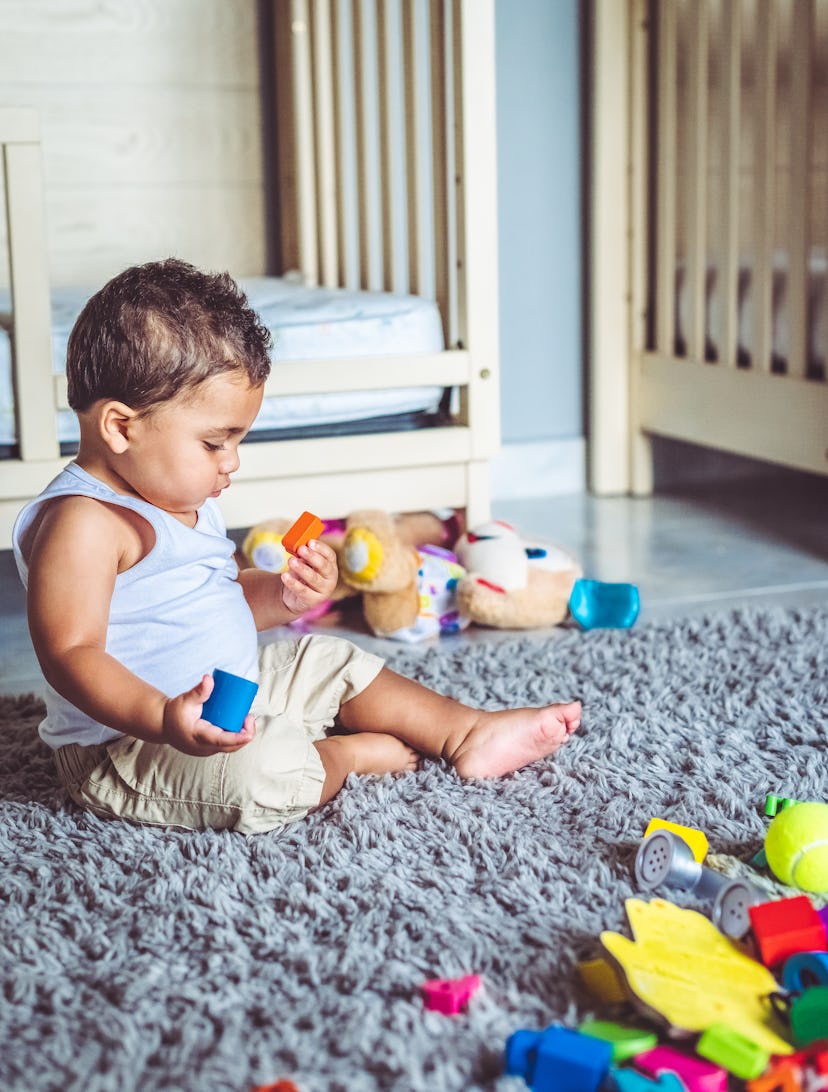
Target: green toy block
x,y
626,1042
732,1051
775,804
809,1016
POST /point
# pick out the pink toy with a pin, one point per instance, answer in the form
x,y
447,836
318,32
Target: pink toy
x,y
449,995
696,1075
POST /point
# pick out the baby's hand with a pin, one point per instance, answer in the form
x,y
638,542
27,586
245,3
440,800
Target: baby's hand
x,y
186,730
310,578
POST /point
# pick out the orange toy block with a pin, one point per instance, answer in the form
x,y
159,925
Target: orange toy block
x,y
308,526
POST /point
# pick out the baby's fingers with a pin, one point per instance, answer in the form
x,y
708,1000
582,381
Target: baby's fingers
x,y
216,741
319,556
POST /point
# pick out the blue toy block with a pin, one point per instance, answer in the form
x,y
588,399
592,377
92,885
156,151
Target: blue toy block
x,y
521,1051
230,701
568,1061
804,969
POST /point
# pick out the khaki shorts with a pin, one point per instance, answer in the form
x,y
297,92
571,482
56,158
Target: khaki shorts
x,y
272,781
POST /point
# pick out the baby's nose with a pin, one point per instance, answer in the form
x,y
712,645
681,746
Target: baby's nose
x,y
230,462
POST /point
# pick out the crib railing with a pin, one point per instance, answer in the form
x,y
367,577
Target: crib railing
x,y
734,174
372,146
724,109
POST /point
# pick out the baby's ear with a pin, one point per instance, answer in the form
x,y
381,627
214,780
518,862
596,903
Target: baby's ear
x,y
114,419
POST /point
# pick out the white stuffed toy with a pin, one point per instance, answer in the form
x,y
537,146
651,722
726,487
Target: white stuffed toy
x,y
512,583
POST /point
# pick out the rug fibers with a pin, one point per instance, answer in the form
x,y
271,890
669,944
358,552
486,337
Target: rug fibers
x,y
153,959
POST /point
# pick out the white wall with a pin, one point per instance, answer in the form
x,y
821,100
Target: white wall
x,y
150,114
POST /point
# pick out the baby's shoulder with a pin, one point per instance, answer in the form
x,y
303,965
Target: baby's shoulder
x,y
78,522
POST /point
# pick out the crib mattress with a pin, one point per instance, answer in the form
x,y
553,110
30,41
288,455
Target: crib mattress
x,y
306,324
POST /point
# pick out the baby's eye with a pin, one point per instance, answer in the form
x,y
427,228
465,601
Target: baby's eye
x,y
213,447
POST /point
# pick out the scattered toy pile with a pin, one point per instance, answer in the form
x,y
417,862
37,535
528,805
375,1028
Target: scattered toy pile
x,y
744,995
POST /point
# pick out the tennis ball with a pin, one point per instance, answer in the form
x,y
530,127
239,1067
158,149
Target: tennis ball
x,y
796,846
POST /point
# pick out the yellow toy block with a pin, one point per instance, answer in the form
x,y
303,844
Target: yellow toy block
x,y
602,981
696,839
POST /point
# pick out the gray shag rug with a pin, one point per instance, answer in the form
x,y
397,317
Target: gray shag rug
x,y
150,959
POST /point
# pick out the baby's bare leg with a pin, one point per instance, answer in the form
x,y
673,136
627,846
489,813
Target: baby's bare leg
x,y
361,753
476,743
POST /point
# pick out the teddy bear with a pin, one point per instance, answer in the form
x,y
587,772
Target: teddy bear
x,y
511,583
399,565
406,577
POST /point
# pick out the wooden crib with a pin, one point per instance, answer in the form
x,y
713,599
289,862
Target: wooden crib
x,y
436,234
709,232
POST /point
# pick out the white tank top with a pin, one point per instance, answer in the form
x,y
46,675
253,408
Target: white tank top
x,y
175,616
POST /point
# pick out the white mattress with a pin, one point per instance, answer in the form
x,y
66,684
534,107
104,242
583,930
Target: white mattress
x,y
307,324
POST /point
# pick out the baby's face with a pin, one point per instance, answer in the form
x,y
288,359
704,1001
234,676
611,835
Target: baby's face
x,y
185,451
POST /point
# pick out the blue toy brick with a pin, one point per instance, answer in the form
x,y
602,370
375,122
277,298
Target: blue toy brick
x,y
804,969
568,1061
521,1051
230,701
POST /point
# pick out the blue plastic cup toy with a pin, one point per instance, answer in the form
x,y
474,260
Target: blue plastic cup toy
x,y
230,701
596,605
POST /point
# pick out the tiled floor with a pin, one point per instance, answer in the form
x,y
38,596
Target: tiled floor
x,y
756,541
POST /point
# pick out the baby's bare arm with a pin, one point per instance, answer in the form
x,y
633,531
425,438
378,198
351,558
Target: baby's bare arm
x,y
278,598
76,554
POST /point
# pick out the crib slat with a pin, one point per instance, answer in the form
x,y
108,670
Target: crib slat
x,y
413,122
392,128
386,135
799,205
303,136
448,156
325,143
347,186
764,169
731,79
368,143
697,180
666,181
439,183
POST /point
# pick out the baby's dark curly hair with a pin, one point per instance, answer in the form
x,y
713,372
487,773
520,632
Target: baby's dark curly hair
x,y
159,330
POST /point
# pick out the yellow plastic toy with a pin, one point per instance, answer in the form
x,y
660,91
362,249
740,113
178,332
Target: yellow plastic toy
x,y
696,839
601,979
681,968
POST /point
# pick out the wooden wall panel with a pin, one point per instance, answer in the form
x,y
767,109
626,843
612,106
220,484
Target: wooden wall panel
x,y
152,133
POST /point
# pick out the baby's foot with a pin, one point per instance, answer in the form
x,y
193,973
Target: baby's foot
x,y
501,742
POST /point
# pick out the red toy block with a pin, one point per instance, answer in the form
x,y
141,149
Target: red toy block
x,y
786,927
279,1086
814,1056
308,526
449,995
